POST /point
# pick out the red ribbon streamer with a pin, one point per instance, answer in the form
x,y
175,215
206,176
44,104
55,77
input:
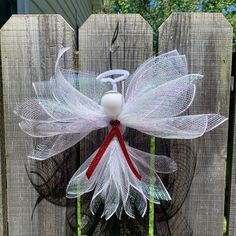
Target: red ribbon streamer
x,y
115,131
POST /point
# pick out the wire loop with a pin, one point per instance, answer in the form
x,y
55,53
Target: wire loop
x,y
105,77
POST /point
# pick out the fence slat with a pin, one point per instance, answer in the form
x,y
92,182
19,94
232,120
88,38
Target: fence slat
x,y
3,198
29,46
135,45
206,40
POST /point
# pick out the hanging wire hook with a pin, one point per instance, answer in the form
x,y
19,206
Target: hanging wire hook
x,y
108,76
112,48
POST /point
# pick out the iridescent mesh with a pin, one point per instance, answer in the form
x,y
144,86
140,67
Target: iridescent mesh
x,y
66,109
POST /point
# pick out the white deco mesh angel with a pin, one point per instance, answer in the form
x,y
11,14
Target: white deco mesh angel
x,y
61,114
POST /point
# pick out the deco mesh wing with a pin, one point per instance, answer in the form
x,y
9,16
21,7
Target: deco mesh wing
x,y
60,114
157,93
87,84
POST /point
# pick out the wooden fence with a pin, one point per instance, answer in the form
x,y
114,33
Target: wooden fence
x,y
29,45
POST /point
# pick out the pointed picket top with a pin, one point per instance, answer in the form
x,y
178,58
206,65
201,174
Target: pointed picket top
x,y
18,22
129,18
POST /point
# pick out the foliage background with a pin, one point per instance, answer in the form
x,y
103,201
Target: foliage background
x,y
157,11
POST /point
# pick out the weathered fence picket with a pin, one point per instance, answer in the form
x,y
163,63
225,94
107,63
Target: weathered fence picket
x,y
3,197
135,46
29,46
206,40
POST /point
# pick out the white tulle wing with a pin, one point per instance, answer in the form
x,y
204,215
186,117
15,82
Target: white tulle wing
x,y
46,129
31,110
60,114
116,186
155,72
169,99
60,91
87,84
181,127
158,92
52,146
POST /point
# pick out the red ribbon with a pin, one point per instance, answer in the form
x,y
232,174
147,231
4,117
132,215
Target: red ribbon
x,y
115,131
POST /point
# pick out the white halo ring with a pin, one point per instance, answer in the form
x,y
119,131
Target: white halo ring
x,y
105,77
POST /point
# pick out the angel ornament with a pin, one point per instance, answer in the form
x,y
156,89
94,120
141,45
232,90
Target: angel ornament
x,y
156,95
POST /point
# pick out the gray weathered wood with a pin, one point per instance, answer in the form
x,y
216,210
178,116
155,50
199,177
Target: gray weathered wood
x,y
3,197
135,46
29,46
206,40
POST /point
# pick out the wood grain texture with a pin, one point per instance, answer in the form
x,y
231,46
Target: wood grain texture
x,y
206,40
135,46
29,46
3,196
